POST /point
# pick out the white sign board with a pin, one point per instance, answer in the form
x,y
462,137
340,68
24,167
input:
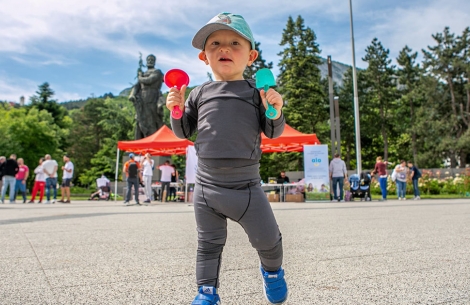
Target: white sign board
x,y
317,178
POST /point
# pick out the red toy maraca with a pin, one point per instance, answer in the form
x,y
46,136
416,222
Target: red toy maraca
x,y
176,78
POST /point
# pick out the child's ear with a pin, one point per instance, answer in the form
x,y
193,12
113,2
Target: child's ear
x,y
252,57
202,56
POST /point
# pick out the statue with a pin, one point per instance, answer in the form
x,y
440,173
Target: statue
x,y
147,98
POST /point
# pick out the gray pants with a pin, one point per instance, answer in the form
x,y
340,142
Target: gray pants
x,y
236,194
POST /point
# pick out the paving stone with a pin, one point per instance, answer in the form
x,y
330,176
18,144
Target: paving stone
x,y
334,253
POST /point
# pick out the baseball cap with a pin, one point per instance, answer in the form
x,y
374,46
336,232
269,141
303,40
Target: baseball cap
x,y
131,155
223,21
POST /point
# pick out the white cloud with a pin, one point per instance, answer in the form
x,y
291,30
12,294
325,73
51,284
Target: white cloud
x,y
112,25
55,33
414,25
12,89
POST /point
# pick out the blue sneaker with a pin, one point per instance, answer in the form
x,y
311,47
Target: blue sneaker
x,y
275,286
207,296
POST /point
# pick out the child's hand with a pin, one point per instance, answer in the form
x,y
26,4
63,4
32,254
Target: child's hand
x,y
274,98
175,98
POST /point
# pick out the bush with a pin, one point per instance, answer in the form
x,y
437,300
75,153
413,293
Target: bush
x,y
431,185
79,190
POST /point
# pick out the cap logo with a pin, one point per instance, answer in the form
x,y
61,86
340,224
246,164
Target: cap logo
x,y
221,18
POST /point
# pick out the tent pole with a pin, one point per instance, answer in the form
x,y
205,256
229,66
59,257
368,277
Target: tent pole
x,y
186,193
116,176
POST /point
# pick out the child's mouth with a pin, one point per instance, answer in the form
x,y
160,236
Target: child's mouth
x,y
225,59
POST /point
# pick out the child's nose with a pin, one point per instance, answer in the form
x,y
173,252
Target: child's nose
x,y
224,47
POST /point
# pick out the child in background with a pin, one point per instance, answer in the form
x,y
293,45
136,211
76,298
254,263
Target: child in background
x,y
229,116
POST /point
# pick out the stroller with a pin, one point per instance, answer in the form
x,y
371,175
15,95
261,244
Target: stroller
x,y
360,186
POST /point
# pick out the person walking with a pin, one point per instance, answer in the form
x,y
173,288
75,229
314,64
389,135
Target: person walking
x,y
132,171
66,180
39,182
148,165
165,179
9,168
415,174
50,167
381,170
338,173
401,177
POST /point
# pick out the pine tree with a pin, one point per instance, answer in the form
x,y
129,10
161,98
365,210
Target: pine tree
x,y
379,75
43,101
346,110
448,61
409,74
299,78
259,63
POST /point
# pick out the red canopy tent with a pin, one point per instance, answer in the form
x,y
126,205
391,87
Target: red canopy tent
x,y
162,143
290,140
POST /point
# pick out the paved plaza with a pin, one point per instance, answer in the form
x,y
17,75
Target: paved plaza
x,y
397,252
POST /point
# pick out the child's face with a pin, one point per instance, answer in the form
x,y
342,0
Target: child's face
x,y
228,54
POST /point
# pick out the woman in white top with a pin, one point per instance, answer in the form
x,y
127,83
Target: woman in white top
x,y
401,177
39,182
148,166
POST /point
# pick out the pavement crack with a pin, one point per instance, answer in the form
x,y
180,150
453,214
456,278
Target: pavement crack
x,y
39,261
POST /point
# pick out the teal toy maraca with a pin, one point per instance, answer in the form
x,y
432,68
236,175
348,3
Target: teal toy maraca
x,y
264,80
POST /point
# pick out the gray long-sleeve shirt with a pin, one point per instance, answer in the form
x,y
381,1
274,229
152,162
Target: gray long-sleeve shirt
x,y
338,168
229,118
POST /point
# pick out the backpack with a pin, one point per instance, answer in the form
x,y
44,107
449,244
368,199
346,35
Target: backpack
x,y
132,170
417,174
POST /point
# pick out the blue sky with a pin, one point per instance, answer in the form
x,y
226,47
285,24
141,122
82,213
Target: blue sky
x,y
88,47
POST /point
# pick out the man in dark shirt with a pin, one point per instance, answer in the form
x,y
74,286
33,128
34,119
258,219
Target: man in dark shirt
x,y
9,168
282,177
415,175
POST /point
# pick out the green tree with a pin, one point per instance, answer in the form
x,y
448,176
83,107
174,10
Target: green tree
x,y
114,120
346,110
409,73
381,89
299,84
272,164
87,133
448,62
28,134
299,78
259,63
432,125
43,101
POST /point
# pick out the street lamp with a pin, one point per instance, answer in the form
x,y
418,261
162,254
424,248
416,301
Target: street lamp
x,y
356,99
